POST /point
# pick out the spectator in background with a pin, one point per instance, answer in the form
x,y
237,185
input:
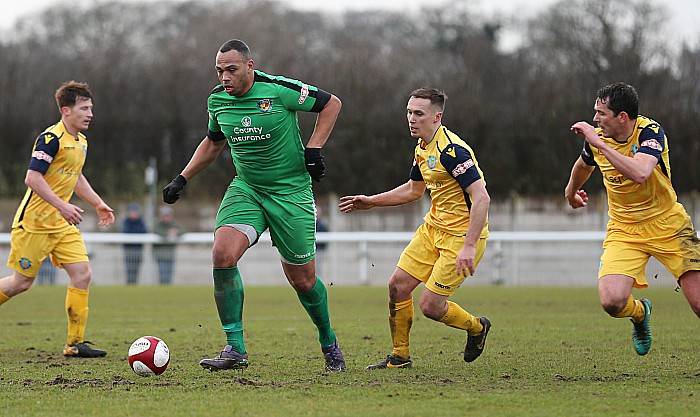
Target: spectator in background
x,y
47,273
164,252
133,252
321,227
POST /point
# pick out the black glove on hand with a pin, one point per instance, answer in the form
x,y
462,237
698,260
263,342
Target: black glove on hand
x,y
172,191
314,163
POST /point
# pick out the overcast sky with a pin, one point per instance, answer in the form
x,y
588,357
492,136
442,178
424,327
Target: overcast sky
x,y
685,20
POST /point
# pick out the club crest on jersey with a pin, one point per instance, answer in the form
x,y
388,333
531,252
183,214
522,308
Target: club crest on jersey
x,y
432,161
25,263
265,105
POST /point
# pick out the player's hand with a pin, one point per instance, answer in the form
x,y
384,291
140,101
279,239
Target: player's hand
x,y
314,163
586,131
351,203
578,200
171,193
106,215
465,261
72,213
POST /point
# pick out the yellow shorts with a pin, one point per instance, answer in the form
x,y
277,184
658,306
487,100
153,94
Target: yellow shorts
x,y
431,257
28,249
670,238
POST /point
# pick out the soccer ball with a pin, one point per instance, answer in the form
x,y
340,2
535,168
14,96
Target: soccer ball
x,y
149,355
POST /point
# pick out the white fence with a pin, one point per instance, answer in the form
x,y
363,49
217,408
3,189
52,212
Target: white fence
x,y
363,258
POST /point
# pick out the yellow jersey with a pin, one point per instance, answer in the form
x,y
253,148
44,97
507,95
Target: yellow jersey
x,y
447,166
60,157
628,201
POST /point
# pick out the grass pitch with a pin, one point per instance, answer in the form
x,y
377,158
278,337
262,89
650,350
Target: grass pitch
x,y
551,352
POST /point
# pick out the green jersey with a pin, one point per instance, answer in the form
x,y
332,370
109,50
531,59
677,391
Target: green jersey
x,y
262,130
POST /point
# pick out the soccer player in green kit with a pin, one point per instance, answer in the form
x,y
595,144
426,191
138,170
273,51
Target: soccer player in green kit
x,y
256,114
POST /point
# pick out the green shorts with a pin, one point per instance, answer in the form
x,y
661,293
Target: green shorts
x,y
291,219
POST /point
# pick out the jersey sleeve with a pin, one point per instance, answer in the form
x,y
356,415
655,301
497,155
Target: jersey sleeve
x,y
415,174
214,130
652,140
587,155
45,149
299,96
459,162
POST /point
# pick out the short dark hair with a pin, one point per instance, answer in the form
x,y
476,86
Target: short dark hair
x,y
437,97
620,97
236,45
70,92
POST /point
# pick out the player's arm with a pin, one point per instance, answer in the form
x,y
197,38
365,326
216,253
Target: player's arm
x,y
324,122
208,149
36,181
478,213
580,173
460,163
88,194
404,193
637,167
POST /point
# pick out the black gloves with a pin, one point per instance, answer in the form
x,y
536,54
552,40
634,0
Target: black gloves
x,y
314,163
172,191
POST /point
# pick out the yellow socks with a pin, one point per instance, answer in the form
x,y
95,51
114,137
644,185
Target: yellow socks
x,y
400,322
458,318
3,298
77,312
634,309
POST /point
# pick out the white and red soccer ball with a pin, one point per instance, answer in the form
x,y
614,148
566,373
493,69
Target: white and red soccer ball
x,y
148,356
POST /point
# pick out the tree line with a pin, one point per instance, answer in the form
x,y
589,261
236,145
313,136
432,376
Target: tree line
x,y
151,68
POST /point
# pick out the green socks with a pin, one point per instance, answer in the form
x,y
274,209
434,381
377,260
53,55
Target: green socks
x,y
228,294
316,304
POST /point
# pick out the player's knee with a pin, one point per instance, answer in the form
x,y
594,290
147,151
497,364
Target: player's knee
x,y
221,258
431,309
612,307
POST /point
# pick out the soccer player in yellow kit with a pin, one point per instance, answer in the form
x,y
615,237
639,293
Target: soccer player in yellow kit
x,y
449,245
645,217
45,222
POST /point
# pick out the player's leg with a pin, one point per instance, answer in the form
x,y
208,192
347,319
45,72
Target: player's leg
x,y
401,286
690,284
292,223
622,267
27,251
414,266
239,223
444,282
77,310
14,284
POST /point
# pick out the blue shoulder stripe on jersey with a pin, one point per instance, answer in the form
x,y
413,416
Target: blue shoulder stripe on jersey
x,y
459,162
415,174
45,149
587,155
653,143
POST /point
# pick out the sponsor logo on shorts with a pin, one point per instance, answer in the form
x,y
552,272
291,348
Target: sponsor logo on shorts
x,y
463,167
697,261
444,287
25,263
306,255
